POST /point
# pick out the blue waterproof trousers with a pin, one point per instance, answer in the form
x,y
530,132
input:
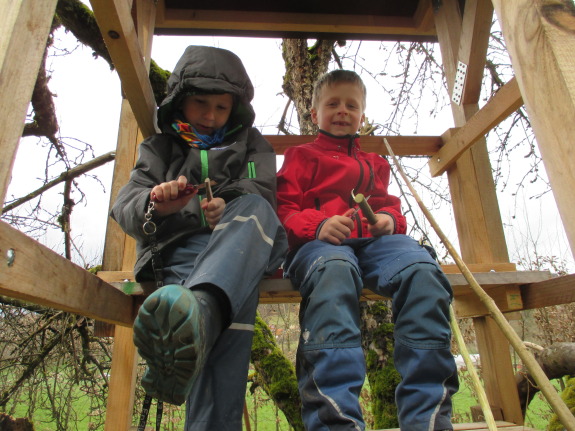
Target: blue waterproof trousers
x,y
247,243
330,361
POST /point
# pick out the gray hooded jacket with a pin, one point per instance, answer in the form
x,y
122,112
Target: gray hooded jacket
x,y
244,163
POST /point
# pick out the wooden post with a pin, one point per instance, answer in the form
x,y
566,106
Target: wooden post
x,y
24,29
119,250
474,199
547,84
122,381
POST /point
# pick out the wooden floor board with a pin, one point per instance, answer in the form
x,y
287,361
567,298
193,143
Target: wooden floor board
x,y
482,426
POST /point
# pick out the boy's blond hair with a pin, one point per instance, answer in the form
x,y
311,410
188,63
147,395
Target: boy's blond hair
x,y
335,77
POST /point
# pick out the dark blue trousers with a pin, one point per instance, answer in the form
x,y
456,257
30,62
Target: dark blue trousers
x,y
330,361
247,243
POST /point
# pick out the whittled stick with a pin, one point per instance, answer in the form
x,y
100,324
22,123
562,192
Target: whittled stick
x,y
365,208
209,195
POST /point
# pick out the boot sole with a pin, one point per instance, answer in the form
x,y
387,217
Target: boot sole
x,y
168,333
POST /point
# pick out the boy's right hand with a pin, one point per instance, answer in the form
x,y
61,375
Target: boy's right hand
x,y
165,196
337,228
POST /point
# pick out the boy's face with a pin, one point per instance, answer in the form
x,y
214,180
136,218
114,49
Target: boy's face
x,y
207,112
340,109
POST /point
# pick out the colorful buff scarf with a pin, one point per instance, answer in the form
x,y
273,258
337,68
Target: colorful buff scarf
x,y
197,140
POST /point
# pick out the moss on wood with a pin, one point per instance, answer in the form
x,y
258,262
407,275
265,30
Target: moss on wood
x,y
383,378
568,395
276,374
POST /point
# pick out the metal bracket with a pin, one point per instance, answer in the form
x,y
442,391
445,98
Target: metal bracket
x,y
459,82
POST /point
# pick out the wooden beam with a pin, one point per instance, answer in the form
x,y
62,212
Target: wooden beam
x,y
475,33
475,206
401,145
503,287
120,249
555,291
539,38
507,100
284,24
117,27
423,16
24,29
497,369
477,215
32,272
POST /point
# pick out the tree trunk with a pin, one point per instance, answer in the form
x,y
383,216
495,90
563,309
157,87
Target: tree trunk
x,y
276,374
303,66
383,378
557,361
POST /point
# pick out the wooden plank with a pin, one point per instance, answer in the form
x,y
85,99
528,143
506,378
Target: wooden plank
x,y
283,24
41,276
555,291
118,245
482,426
401,145
117,27
507,426
507,100
503,287
547,83
24,29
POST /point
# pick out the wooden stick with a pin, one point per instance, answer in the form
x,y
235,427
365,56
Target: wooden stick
x,y
365,208
209,195
559,407
479,389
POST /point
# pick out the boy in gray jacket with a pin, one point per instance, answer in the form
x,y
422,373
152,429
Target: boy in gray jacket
x,y
209,253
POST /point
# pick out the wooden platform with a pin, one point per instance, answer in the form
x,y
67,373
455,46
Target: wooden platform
x,y
482,426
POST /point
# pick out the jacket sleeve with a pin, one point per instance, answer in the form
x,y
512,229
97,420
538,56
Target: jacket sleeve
x,y
132,200
294,178
385,203
258,171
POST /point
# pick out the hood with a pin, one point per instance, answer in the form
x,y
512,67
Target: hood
x,y
209,70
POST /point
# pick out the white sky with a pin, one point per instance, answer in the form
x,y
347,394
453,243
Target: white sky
x,y
88,105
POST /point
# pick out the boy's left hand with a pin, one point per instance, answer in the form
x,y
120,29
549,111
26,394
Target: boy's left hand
x,y
384,225
213,210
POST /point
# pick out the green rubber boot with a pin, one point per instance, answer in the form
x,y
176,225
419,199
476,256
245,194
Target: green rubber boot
x,y
170,334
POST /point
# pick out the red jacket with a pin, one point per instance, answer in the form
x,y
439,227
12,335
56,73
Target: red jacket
x,y
316,180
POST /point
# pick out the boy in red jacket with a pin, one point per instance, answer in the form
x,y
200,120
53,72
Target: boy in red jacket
x,y
335,253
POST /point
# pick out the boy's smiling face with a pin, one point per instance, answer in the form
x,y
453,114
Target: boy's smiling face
x,y
339,109
207,112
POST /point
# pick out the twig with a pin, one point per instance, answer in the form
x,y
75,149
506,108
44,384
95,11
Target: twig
x,y
64,176
562,411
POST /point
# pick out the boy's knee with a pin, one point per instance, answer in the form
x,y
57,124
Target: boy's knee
x,y
339,275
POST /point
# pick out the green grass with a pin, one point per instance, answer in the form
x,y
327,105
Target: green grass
x,y
267,418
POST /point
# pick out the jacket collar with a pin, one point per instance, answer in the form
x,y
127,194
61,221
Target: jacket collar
x,y
337,143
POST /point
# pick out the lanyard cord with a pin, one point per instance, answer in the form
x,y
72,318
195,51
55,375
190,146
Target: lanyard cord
x,y
150,229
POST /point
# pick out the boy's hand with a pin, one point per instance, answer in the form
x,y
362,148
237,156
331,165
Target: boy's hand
x,y
337,228
165,196
384,225
213,210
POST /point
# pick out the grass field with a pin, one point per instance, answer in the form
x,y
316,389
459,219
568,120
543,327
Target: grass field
x,y
265,417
